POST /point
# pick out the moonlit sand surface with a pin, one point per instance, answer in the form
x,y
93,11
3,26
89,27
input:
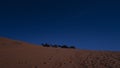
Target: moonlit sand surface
x,y
17,54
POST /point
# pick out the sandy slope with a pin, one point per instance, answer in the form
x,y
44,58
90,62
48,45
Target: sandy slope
x,y
16,54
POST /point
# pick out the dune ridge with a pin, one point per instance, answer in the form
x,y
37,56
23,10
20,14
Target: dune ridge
x,y
17,54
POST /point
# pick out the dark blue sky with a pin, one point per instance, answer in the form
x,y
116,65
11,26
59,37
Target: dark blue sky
x,y
87,24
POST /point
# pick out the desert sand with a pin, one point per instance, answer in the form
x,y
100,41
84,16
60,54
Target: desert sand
x,y
17,54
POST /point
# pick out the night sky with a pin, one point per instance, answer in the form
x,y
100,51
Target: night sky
x,y
87,24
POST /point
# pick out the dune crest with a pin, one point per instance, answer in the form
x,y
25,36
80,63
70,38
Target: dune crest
x,y
17,54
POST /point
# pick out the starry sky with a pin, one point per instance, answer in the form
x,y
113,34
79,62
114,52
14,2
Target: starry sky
x,y
86,24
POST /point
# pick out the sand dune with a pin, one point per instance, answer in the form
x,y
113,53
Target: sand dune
x,y
17,54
